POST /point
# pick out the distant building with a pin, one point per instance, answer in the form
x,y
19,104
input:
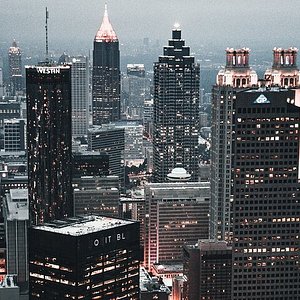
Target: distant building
x,y
80,94
208,270
89,257
110,140
98,195
106,74
176,110
10,109
15,69
175,213
14,135
16,220
49,136
90,163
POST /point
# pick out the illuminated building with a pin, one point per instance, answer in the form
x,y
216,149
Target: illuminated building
x,y
266,207
236,76
176,110
207,267
49,140
106,74
175,213
89,257
15,69
16,220
14,135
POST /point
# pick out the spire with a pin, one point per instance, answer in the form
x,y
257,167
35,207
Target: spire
x,y
106,32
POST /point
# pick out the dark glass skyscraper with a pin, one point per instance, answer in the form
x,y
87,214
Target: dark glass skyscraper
x,y
266,207
49,139
176,110
106,74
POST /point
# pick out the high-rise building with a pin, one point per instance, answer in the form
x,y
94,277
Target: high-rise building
x,y
176,110
1,83
106,74
14,135
175,213
89,257
207,266
16,223
15,69
111,140
80,94
49,139
266,205
236,76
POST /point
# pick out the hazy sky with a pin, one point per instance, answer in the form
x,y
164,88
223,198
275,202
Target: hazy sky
x,y
230,22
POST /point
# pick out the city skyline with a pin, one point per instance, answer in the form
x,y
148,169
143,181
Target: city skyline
x,y
250,24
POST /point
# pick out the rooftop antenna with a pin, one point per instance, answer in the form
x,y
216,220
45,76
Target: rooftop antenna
x,y
46,27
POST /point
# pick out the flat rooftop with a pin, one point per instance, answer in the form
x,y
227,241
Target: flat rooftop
x,y
17,205
82,225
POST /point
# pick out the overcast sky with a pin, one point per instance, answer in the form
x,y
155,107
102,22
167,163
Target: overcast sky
x,y
230,22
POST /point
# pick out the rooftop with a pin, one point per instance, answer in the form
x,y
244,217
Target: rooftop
x,y
17,205
81,225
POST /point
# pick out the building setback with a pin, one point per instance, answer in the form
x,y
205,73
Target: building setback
x,y
176,110
266,207
106,74
49,138
84,258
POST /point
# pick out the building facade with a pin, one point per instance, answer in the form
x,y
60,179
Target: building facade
x,y
14,135
106,74
15,69
176,110
175,213
84,258
236,76
266,208
49,140
207,267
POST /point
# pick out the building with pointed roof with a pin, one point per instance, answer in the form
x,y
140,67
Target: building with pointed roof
x,y
106,74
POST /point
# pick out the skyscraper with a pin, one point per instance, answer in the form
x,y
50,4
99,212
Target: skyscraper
x,y
49,142
106,74
80,93
176,110
236,76
15,68
266,207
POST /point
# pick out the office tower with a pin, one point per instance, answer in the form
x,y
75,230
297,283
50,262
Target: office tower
x,y
15,69
49,139
266,207
236,76
1,83
208,270
148,118
284,71
137,87
90,163
106,74
79,92
176,110
14,135
175,213
110,140
16,220
89,257
10,109
98,195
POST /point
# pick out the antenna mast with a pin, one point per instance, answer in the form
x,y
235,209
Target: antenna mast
x,y
46,27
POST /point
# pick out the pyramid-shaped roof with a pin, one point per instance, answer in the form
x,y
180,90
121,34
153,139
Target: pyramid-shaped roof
x,y
106,32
